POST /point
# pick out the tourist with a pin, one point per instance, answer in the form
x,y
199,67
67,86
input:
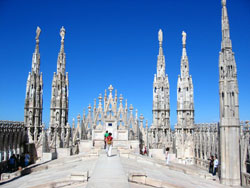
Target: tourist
x,y
27,159
105,137
216,163
167,156
145,151
109,143
12,163
22,159
18,162
211,164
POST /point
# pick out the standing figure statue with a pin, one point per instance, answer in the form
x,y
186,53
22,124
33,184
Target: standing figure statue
x,y
62,34
160,36
38,31
184,35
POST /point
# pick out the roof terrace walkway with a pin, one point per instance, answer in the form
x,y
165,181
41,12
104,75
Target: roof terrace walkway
x,y
122,170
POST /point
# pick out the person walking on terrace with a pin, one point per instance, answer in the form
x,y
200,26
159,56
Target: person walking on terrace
x,y
167,156
211,164
216,163
105,139
109,144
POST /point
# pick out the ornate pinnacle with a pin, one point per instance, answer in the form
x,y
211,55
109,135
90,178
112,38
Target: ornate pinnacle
x,y
110,88
78,117
141,117
121,98
100,97
89,107
131,107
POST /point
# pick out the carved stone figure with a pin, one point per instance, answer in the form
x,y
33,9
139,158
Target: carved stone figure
x,y
160,36
62,33
184,38
38,31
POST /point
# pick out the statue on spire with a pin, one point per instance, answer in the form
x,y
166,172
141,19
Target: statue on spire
x,y
184,36
62,34
160,37
223,2
38,31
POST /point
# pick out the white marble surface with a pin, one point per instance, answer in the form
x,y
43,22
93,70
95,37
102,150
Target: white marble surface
x,y
111,172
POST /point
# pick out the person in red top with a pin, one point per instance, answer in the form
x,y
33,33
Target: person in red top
x,y
145,151
109,144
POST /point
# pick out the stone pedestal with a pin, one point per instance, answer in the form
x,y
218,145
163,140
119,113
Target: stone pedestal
x,y
157,154
48,156
63,152
85,145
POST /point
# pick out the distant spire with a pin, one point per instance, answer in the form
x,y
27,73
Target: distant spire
x,y
226,42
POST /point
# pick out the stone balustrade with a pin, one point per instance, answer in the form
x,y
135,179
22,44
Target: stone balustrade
x,y
12,138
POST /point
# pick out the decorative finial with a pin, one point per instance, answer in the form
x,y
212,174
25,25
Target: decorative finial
x,y
184,35
62,34
38,31
223,2
160,36
110,88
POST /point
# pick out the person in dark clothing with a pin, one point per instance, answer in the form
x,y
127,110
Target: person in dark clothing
x,y
18,162
22,158
12,163
211,164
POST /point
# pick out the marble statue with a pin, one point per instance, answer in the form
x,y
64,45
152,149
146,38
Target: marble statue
x,y
38,31
62,33
184,35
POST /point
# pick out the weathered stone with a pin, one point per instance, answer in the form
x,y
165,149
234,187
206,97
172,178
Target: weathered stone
x,y
80,176
137,177
153,182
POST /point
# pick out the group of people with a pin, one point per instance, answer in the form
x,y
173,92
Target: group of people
x,y
18,161
213,164
108,143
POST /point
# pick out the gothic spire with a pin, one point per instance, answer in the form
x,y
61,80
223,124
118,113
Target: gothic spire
x,y
36,54
34,96
61,56
226,42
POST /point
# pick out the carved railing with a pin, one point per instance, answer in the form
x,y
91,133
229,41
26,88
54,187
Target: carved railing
x,y
202,163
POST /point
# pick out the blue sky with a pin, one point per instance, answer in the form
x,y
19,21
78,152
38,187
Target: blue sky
x,y
115,42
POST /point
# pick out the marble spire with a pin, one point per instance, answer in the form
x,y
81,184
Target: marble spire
x,y
229,108
34,96
185,111
161,107
59,96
